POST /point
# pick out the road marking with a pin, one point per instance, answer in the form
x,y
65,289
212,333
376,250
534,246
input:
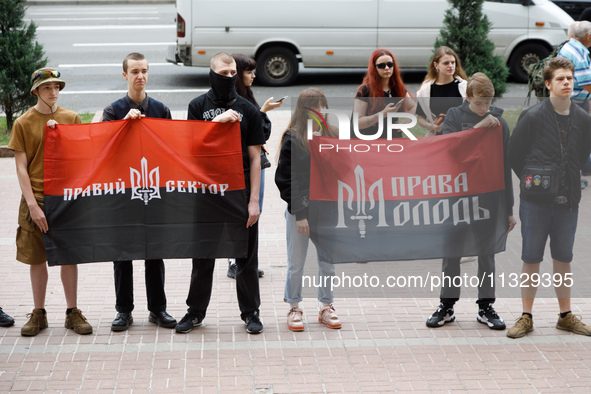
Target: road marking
x,y
107,65
106,18
69,92
62,13
106,27
122,44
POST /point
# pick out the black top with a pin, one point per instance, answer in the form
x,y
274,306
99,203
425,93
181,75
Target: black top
x,y
251,126
442,98
149,107
292,176
363,95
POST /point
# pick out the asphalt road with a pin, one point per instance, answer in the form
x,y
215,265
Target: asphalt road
x,y
88,42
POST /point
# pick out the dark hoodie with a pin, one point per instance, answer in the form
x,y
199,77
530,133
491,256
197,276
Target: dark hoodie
x,y
462,118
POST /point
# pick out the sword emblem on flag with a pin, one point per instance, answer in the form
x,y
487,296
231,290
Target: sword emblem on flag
x,y
360,213
143,186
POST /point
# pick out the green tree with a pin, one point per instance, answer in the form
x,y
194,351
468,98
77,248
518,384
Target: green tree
x,y
465,30
20,56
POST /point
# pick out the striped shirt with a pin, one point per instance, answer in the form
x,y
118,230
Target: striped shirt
x,y
579,55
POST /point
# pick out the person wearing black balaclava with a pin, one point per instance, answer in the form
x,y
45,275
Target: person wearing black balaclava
x,y
222,104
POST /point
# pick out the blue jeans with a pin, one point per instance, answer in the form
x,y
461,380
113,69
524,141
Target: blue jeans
x,y
538,222
297,248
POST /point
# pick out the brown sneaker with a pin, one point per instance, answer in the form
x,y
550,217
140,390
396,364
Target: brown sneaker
x,y
572,323
37,322
522,326
76,321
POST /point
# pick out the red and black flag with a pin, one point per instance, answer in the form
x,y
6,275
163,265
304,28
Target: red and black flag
x,y
144,189
387,200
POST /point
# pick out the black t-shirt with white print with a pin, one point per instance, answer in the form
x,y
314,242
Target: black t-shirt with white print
x,y
251,126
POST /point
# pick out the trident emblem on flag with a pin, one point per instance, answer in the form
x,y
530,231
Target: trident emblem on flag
x,y
139,183
360,213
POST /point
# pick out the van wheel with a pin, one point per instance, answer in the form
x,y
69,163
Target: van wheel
x,y
277,66
523,57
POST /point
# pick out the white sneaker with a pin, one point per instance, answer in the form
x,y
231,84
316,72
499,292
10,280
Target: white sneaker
x,y
329,317
295,321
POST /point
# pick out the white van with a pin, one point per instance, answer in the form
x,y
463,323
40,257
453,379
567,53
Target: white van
x,y
343,33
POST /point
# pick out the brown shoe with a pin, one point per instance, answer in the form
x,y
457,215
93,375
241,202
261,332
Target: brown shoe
x,y
77,322
37,322
572,323
522,326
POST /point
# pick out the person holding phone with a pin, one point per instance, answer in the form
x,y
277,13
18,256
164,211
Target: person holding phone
x,y
381,92
293,180
444,87
245,76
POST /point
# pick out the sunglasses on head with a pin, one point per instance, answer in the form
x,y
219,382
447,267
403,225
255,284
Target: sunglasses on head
x,y
384,65
47,74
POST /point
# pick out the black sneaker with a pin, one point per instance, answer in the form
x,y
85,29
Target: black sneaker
x,y
489,317
188,322
5,320
253,324
232,268
441,316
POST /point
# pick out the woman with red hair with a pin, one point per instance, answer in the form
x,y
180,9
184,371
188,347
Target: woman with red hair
x,y
381,92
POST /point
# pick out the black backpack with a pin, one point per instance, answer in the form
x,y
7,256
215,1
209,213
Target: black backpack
x,y
534,75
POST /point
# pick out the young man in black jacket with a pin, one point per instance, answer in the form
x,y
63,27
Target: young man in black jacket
x,y
134,105
548,149
223,104
476,112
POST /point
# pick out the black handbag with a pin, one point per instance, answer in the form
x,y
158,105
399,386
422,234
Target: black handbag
x,y
540,182
265,163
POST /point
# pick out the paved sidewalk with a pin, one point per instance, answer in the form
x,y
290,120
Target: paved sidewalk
x,y
383,346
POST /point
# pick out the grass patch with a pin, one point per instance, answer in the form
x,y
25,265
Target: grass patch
x,y
86,117
511,116
5,134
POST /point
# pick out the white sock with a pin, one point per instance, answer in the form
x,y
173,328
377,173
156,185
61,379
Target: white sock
x,y
324,305
296,305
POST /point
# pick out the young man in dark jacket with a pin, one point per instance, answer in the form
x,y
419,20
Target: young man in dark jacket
x,y
476,112
134,105
223,104
548,149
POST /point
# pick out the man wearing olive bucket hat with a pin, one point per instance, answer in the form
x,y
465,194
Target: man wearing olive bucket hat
x,y
27,141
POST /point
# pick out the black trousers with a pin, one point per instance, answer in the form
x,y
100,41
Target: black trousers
x,y
247,280
486,290
123,271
